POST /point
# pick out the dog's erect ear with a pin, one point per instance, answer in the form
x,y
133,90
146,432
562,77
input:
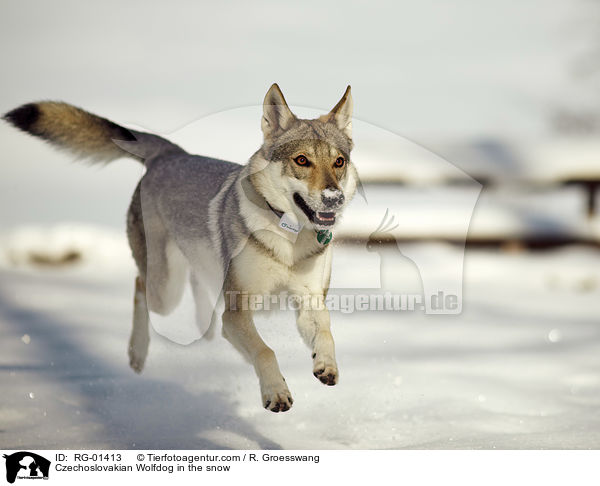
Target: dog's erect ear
x,y
276,113
341,113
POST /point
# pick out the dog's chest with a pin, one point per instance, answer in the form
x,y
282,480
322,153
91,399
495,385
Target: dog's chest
x,y
293,252
269,261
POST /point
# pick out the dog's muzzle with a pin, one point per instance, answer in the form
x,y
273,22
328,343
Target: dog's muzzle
x,y
332,198
320,218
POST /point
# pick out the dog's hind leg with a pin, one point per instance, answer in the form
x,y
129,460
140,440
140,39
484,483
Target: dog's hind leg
x,y
140,333
166,273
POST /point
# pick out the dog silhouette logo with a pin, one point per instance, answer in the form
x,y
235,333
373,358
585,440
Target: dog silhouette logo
x,y
25,464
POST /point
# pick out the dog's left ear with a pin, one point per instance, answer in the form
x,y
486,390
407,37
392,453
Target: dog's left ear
x,y
341,113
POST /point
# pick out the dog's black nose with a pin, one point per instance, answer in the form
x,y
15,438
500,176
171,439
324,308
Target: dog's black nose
x,y
332,198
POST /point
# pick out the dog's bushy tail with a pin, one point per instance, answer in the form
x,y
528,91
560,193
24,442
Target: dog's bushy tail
x,y
84,134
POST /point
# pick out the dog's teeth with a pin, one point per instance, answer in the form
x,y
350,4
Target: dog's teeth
x,y
326,216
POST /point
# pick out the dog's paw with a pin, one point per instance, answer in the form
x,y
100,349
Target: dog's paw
x,y
325,370
136,360
277,398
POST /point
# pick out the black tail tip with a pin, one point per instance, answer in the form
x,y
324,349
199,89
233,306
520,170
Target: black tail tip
x,y
23,117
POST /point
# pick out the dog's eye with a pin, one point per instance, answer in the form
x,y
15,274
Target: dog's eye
x,y
339,162
301,160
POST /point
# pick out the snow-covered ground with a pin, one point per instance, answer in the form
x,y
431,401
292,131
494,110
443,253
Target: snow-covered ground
x,y
517,369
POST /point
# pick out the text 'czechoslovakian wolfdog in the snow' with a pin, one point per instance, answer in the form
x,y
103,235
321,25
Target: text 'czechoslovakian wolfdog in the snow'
x,y
230,230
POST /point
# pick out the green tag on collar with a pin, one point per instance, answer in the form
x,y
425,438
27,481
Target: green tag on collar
x,y
324,236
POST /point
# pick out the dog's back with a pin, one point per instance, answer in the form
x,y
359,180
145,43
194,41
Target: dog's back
x,y
174,180
168,222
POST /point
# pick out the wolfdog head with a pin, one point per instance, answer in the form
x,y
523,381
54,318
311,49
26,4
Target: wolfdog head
x,y
306,166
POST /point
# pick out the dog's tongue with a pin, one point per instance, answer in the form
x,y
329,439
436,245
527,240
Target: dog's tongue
x,y
326,216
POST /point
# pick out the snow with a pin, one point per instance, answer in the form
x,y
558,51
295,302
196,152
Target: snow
x,y
52,244
474,85
517,369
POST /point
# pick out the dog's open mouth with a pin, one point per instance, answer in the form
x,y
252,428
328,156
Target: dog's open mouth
x,y
322,218
325,218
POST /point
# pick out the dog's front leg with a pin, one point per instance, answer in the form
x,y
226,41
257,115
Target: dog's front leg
x,y
314,327
239,330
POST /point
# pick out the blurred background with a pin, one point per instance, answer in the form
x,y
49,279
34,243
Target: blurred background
x,y
476,127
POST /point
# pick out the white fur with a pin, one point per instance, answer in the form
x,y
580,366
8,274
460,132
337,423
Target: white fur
x,y
331,193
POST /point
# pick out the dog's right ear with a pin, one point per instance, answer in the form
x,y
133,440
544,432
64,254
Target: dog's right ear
x,y
276,113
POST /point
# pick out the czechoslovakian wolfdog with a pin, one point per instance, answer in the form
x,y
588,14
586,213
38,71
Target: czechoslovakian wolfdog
x,y
255,229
